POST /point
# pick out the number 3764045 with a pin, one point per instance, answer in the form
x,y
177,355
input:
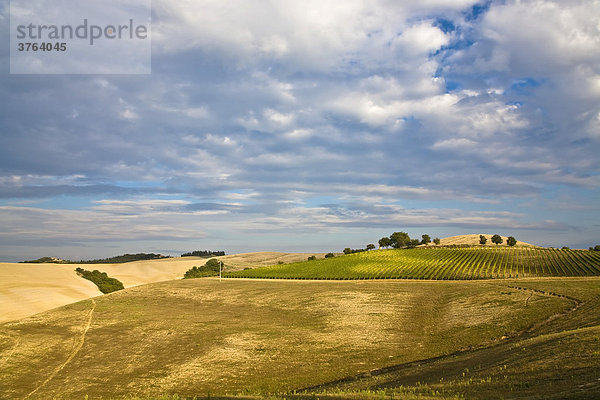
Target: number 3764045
x,y
44,46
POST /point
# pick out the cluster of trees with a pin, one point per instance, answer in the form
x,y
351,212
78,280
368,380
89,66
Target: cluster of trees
x,y
203,253
101,279
497,239
211,268
51,260
396,240
111,260
595,248
399,240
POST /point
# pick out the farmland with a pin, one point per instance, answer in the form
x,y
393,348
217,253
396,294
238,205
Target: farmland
x,y
440,264
354,339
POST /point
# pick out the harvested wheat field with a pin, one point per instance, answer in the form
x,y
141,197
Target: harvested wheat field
x,y
473,240
27,289
236,262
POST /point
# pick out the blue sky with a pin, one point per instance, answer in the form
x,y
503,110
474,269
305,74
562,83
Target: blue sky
x,y
312,126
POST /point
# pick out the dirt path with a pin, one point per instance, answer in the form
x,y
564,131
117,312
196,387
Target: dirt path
x,y
74,352
3,362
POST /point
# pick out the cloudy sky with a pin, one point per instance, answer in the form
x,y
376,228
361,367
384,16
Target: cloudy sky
x,y
312,126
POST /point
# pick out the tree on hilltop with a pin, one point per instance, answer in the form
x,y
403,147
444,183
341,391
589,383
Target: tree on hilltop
x,y
400,239
426,239
482,239
511,241
370,246
414,243
385,242
497,239
436,241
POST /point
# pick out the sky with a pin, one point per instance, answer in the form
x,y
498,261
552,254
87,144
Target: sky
x,y
311,126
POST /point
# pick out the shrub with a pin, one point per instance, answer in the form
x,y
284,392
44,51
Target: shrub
x,y
211,268
101,279
329,255
311,258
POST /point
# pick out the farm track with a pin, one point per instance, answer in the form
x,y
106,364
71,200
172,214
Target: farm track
x,y
15,347
74,352
577,304
507,342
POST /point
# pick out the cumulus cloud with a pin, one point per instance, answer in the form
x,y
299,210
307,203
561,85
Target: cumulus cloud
x,y
255,111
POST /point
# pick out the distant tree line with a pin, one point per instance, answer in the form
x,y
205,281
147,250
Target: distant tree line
x,y
211,268
49,260
595,248
203,253
101,279
124,258
401,240
111,260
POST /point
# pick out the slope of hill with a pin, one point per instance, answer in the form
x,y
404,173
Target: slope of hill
x,y
26,288
236,262
473,240
396,339
439,263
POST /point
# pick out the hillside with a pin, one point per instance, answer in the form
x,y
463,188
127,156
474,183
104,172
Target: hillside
x,y
473,240
439,263
359,339
240,261
28,288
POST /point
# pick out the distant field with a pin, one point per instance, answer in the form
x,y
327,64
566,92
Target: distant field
x,y
473,240
440,264
26,289
359,339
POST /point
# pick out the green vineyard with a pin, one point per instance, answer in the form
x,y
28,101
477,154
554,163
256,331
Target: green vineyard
x,y
438,264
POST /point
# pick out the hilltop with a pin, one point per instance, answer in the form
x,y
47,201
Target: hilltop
x,y
473,240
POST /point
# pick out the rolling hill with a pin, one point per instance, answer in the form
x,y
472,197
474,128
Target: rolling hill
x,y
533,338
439,263
29,288
473,240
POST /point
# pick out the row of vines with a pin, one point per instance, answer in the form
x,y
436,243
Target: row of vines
x,y
439,263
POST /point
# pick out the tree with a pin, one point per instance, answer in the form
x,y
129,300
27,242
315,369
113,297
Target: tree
x,y
347,250
436,241
414,242
482,239
385,242
496,239
426,239
399,239
312,258
370,246
329,255
511,241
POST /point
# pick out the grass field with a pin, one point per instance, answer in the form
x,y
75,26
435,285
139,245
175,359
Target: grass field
x,y
351,339
26,289
440,264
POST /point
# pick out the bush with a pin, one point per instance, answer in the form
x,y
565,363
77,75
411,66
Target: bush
x,y
211,268
329,255
101,279
311,258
